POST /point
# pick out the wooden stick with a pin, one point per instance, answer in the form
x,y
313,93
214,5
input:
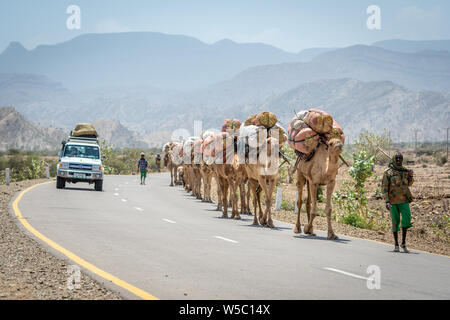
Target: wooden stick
x,y
343,160
384,153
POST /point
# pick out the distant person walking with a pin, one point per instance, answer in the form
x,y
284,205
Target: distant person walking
x,y
143,167
395,188
158,162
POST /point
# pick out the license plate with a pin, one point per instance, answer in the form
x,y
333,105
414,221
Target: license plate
x,y
79,176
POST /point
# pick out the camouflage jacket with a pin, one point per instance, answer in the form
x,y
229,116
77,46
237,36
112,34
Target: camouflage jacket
x,y
395,186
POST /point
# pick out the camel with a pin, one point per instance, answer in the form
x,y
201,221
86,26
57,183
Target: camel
x,y
321,170
189,166
229,173
171,161
264,175
180,171
206,172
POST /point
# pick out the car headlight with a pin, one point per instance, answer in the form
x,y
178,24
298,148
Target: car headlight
x,y
63,165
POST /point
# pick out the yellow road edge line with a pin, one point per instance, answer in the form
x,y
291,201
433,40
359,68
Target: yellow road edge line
x,y
80,261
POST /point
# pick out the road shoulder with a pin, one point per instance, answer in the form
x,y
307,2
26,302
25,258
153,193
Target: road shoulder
x,y
30,271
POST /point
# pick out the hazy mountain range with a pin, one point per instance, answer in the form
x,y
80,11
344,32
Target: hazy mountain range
x,y
413,46
140,58
145,85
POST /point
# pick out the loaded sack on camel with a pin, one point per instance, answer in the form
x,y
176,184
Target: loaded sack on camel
x,y
256,129
218,148
308,128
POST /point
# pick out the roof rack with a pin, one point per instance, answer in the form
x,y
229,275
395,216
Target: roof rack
x,y
83,139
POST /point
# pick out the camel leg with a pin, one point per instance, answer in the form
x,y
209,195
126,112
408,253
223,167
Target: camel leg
x,y
244,209
204,186
171,176
175,175
263,184
308,202
219,194
300,185
236,184
271,187
208,187
258,199
252,188
330,188
198,184
247,194
224,191
313,199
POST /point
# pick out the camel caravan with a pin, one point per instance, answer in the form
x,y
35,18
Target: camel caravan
x,y
244,159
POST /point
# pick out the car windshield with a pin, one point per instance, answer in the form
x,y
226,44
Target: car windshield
x,y
91,152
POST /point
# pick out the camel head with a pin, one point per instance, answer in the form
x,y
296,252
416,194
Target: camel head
x,y
335,147
272,144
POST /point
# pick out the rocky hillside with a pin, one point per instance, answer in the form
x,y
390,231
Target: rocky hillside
x,y
373,106
426,70
19,133
117,135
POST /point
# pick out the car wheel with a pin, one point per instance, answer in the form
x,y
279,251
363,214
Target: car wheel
x,y
99,185
60,183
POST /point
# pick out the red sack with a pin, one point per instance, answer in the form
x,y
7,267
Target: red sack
x,y
304,140
208,146
198,146
319,120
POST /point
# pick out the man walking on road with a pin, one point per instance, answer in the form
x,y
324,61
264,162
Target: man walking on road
x,y
142,167
395,188
158,162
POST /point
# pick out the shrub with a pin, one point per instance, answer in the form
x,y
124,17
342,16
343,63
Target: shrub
x,y
369,142
352,201
440,160
287,205
441,228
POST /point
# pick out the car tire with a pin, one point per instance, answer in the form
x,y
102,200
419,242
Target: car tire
x,y
60,183
99,185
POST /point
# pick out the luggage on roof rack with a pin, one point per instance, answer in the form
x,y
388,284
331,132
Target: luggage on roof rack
x,y
85,130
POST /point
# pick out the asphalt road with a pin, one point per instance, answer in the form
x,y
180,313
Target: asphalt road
x,y
165,242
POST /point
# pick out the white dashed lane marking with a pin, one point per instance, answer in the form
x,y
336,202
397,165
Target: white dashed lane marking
x,y
116,194
225,239
347,273
139,209
169,221
124,200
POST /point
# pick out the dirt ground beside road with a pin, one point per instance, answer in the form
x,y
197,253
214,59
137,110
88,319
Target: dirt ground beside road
x,y
28,271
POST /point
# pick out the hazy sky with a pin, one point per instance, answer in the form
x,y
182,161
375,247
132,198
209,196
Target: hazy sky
x,y
292,25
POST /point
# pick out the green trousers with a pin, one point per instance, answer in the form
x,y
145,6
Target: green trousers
x,y
397,210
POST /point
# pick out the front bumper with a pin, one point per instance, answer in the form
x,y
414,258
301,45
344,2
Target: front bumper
x,y
79,175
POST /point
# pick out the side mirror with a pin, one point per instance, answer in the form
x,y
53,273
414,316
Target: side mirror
x,y
59,153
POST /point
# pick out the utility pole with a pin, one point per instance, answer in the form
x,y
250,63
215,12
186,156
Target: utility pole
x,y
415,139
447,144
390,142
